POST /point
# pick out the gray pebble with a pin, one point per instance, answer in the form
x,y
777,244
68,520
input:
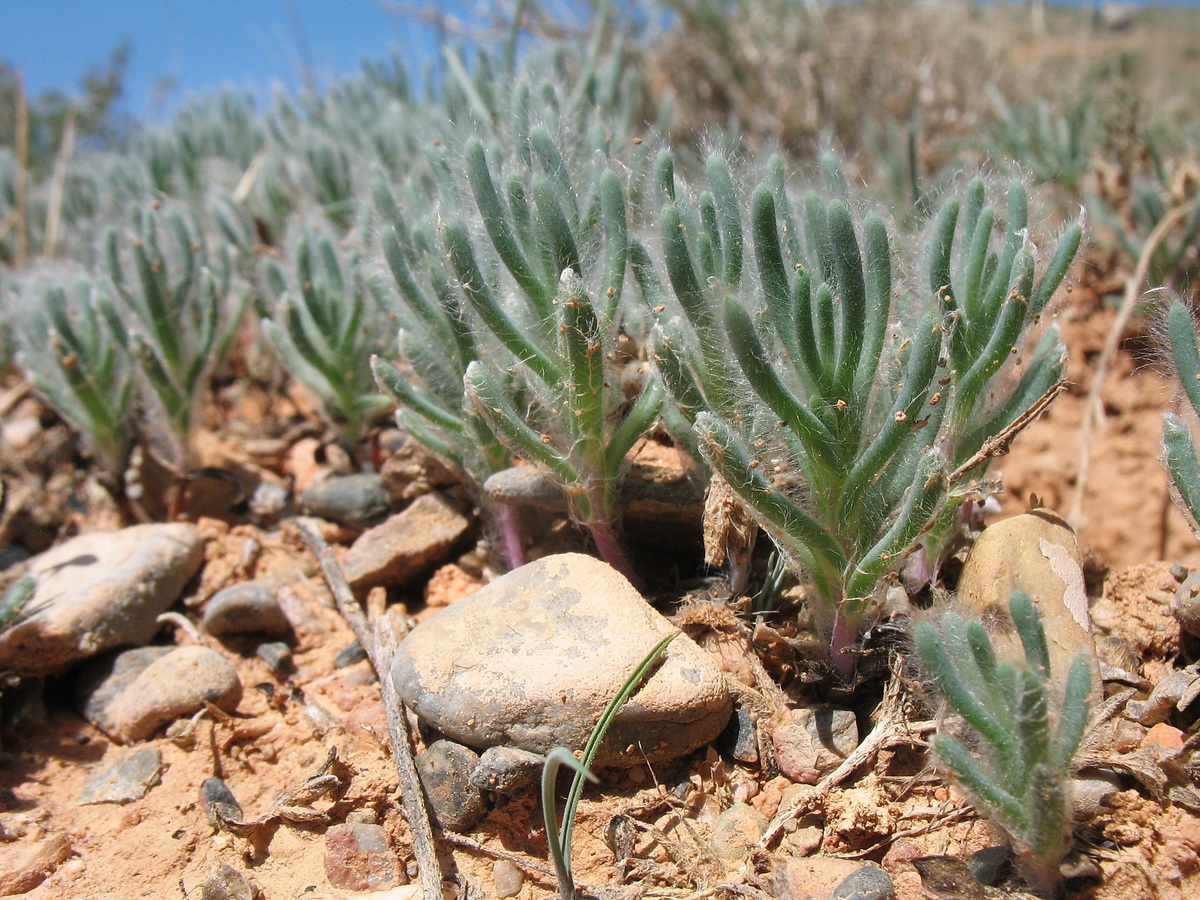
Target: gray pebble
x,y
277,655
740,738
244,608
869,882
129,778
507,770
445,771
991,864
98,592
356,501
351,655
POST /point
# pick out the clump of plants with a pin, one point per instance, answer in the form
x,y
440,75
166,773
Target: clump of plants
x,y
1179,450
849,406
1017,728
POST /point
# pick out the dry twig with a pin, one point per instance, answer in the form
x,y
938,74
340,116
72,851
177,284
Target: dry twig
x,y
380,644
1092,410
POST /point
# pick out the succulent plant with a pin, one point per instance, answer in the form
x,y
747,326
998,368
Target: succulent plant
x,y
69,350
330,318
183,311
1019,736
1179,450
845,413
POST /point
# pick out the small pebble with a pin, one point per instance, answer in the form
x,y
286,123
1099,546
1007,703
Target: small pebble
x,y
357,858
507,770
129,778
868,882
408,545
278,656
356,501
445,770
506,878
227,883
351,655
1179,573
991,864
1187,604
176,685
737,830
740,738
813,742
245,608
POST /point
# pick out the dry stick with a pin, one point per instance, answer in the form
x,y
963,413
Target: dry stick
x,y
1000,444
380,644
1092,411
54,217
524,862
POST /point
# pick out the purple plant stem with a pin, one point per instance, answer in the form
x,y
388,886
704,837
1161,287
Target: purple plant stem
x,y
841,643
611,551
508,521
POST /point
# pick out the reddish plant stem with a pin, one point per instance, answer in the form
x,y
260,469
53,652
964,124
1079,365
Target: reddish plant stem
x,y
612,552
509,523
841,646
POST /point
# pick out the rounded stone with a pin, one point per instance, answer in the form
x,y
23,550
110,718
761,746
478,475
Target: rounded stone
x,y
1035,552
249,607
445,771
174,685
507,770
356,501
99,592
532,660
868,882
737,830
506,878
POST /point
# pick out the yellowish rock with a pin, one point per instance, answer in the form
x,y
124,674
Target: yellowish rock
x,y
1035,552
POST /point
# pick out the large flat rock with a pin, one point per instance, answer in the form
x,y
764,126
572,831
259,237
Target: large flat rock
x,y
532,659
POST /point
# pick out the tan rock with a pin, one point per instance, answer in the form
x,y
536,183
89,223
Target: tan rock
x,y
1035,552
407,545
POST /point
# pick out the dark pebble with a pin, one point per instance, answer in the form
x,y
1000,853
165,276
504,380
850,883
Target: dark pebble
x,y
445,770
356,501
351,655
277,655
867,883
507,770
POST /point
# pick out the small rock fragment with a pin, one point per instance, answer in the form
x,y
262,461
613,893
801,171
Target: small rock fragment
x,y
990,865
507,770
740,738
129,778
506,879
277,655
413,471
227,883
1088,791
356,501
868,882
219,803
532,659
737,830
177,684
1187,603
98,592
244,608
407,545
357,858
354,653
445,769
813,742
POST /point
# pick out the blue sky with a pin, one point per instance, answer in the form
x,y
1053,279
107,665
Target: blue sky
x,y
208,43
